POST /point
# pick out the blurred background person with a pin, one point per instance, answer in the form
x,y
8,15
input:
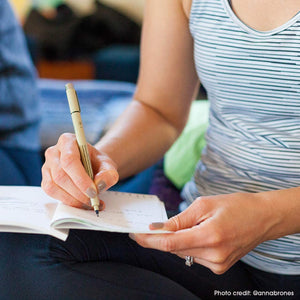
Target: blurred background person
x,y
19,107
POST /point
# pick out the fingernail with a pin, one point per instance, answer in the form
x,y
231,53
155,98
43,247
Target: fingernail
x,y
157,225
101,186
91,192
132,236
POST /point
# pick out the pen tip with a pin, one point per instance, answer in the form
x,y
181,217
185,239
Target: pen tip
x,y
97,212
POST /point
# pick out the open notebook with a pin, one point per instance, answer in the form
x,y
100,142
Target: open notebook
x,y
30,210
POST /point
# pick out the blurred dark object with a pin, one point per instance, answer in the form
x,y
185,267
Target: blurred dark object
x,y
103,28
54,35
117,62
67,36
202,94
165,190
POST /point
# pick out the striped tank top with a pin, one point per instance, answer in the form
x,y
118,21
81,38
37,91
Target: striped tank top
x,y
252,80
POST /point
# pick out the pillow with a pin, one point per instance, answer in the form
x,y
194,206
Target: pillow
x,y
181,159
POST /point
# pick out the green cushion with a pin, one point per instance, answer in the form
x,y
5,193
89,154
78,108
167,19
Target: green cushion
x,y
181,159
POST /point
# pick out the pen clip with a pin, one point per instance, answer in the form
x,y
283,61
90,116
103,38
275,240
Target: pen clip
x,y
78,105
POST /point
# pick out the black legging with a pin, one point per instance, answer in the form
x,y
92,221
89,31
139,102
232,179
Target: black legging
x,y
102,265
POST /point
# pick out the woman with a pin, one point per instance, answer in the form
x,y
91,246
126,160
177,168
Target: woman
x,y
240,231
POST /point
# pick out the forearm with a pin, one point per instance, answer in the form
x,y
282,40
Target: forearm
x,y
166,87
284,207
138,139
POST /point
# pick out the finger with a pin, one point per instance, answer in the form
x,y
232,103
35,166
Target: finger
x,y
190,217
215,268
61,178
54,191
71,163
197,260
106,177
211,255
169,242
205,234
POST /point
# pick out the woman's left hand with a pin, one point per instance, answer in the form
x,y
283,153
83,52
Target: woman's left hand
x,y
216,230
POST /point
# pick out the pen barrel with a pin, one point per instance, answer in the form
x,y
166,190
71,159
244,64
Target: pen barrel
x,y
82,144
80,136
78,128
86,161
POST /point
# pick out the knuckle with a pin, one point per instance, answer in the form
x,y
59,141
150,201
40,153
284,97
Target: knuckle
x,y
49,152
216,237
219,257
59,176
48,186
66,137
44,169
219,269
166,245
175,222
198,201
67,160
203,202
141,242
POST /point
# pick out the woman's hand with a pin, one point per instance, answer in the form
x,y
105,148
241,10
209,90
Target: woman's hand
x,y
216,230
65,179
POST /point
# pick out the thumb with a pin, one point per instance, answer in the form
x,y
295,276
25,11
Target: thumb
x,y
106,177
186,219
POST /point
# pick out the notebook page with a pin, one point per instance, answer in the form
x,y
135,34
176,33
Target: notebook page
x,y
27,210
124,212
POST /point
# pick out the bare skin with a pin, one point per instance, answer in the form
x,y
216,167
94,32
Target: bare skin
x,y
216,230
267,14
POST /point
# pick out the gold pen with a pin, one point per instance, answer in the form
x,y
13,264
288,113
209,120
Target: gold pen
x,y
80,137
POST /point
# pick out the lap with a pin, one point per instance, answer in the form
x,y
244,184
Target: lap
x,y
89,265
103,265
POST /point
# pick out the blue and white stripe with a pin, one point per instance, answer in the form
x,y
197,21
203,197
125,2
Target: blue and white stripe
x,y
253,140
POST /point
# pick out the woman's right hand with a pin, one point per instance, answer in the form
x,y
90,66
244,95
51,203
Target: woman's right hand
x,y
64,177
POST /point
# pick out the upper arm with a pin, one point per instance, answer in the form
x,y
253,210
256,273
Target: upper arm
x,y
167,79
